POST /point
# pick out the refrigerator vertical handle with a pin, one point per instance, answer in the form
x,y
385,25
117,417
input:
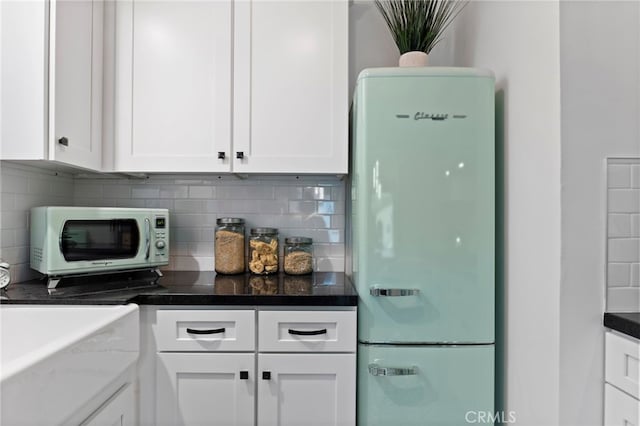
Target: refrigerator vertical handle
x,y
375,291
376,370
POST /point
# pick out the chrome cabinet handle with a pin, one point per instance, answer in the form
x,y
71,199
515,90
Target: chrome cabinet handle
x,y
375,291
376,370
147,224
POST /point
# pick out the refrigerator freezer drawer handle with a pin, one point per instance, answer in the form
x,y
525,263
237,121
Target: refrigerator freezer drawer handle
x,y
376,370
374,291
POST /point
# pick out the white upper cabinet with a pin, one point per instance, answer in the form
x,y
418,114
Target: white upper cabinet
x,y
291,86
173,86
52,81
277,70
75,91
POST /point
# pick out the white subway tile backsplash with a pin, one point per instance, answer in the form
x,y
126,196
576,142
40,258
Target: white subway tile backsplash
x,y
14,181
7,201
624,200
338,193
174,191
159,204
88,190
618,274
188,205
134,203
201,192
327,207
619,176
623,235
7,237
310,206
316,193
192,263
624,250
272,206
145,191
619,225
635,225
288,193
21,188
330,264
302,207
635,175
635,275
248,192
115,191
623,299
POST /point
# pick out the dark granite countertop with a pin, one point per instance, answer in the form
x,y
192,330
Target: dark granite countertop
x,y
624,322
190,288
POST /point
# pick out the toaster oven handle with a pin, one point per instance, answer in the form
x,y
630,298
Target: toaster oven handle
x,y
147,224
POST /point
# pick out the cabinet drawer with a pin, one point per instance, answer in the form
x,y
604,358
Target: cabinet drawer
x,y
619,408
622,363
205,330
307,331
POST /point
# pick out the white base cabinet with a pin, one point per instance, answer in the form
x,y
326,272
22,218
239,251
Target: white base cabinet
x,y
205,389
247,367
622,377
306,389
620,409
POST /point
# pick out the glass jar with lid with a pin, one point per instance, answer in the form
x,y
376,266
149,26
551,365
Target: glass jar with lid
x,y
229,245
263,251
298,255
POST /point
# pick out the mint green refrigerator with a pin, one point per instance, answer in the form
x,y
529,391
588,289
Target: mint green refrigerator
x,y
422,220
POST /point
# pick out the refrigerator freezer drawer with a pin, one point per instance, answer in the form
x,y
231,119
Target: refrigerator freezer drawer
x,y
424,385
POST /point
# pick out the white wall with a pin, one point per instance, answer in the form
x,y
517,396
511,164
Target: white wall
x,y
371,43
519,41
600,46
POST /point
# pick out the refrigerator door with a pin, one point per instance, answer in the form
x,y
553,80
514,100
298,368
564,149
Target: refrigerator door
x,y
423,207
425,385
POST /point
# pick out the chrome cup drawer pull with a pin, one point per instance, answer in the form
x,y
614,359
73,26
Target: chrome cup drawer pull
x,y
375,291
376,370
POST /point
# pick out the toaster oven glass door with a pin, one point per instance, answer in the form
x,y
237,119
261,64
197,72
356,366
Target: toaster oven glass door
x,y
100,239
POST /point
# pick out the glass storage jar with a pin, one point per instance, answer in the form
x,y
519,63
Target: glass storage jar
x,y
263,251
229,245
298,255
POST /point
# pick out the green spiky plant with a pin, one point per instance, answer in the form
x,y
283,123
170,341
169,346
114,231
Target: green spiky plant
x,y
417,25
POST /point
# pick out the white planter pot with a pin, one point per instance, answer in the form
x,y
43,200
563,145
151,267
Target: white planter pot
x,y
414,59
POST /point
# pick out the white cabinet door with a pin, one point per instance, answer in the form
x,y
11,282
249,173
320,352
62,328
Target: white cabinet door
x,y
52,81
620,409
173,86
306,389
75,82
291,88
205,389
119,410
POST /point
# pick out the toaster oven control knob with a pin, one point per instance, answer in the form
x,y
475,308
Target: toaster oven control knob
x,y
160,244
